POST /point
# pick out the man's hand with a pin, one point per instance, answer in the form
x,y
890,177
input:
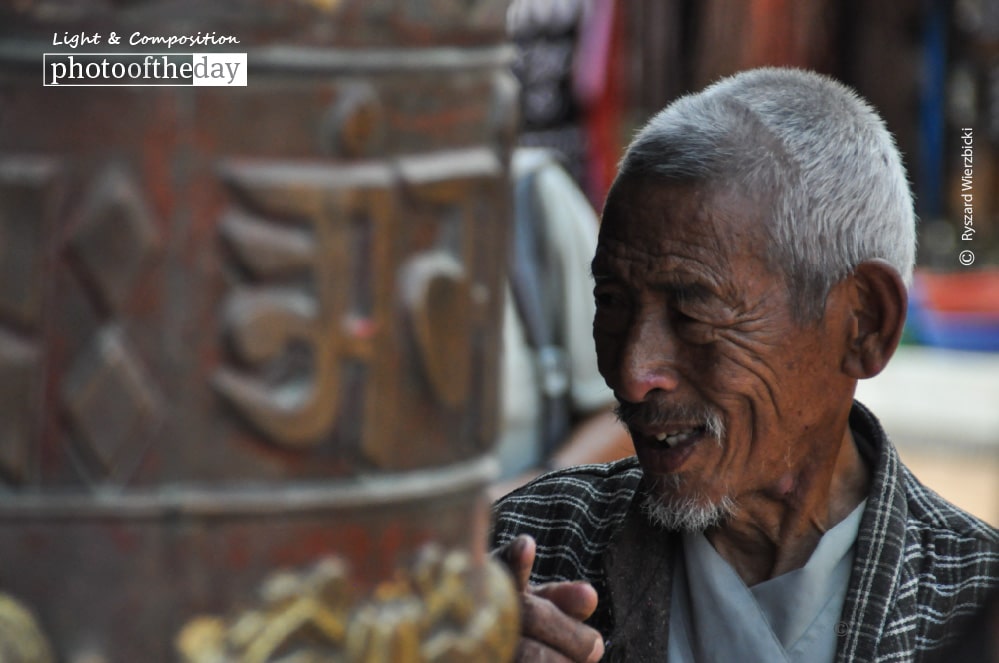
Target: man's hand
x,y
552,614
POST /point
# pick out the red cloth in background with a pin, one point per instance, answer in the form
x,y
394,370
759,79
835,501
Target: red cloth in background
x,y
599,87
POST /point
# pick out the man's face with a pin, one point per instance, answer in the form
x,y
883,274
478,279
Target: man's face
x,y
726,396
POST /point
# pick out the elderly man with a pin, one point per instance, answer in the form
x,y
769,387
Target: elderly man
x,y
751,267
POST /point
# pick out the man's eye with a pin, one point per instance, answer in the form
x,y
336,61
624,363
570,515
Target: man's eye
x,y
693,325
680,315
693,305
612,310
606,298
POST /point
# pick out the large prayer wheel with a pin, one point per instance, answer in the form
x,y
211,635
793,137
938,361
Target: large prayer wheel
x,y
248,334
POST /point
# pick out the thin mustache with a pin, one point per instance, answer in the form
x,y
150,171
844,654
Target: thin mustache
x,y
651,415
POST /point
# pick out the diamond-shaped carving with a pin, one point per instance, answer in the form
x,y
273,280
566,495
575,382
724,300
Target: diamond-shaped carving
x,y
111,402
18,368
115,237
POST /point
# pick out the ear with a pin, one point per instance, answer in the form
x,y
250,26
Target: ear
x,y
880,302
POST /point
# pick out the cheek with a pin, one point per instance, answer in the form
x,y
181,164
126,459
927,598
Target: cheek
x,y
748,369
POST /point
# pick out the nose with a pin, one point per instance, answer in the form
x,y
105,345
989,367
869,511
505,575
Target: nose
x,y
647,360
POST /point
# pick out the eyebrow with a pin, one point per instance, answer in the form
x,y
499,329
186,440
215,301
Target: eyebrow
x,y
683,284
688,291
682,287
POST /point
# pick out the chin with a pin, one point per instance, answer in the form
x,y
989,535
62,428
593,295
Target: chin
x,y
668,508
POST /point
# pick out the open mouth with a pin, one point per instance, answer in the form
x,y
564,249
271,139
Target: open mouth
x,y
679,436
675,438
667,436
667,450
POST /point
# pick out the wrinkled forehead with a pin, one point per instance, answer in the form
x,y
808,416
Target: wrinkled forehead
x,y
664,231
647,212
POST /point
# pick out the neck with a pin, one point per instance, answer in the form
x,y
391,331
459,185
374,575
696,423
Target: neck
x,y
777,531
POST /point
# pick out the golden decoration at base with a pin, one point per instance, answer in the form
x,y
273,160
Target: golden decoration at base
x,y
442,609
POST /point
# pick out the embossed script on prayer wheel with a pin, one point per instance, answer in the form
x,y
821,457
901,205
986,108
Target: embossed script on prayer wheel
x,y
248,335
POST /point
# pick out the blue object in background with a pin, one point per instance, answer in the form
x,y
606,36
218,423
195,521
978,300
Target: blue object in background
x,y
932,121
955,330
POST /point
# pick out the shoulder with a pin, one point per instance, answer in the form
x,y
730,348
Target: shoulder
x,y
940,534
571,513
939,543
928,518
950,562
592,495
923,566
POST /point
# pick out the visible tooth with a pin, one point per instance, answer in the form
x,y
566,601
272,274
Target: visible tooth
x,y
676,438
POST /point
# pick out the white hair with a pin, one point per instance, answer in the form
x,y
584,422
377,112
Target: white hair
x,y
813,150
686,513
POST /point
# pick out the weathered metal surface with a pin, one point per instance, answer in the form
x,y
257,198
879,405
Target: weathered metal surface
x,y
245,329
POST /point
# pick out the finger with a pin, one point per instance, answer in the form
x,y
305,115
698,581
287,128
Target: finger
x,y
576,599
518,556
544,622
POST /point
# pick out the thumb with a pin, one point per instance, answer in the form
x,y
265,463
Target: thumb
x,y
518,556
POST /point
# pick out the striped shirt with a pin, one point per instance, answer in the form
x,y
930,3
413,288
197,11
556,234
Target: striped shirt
x,y
922,566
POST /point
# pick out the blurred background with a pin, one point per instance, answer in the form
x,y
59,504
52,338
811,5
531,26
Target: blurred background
x,y
592,71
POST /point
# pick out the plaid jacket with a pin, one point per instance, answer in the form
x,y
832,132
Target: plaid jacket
x,y
922,566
